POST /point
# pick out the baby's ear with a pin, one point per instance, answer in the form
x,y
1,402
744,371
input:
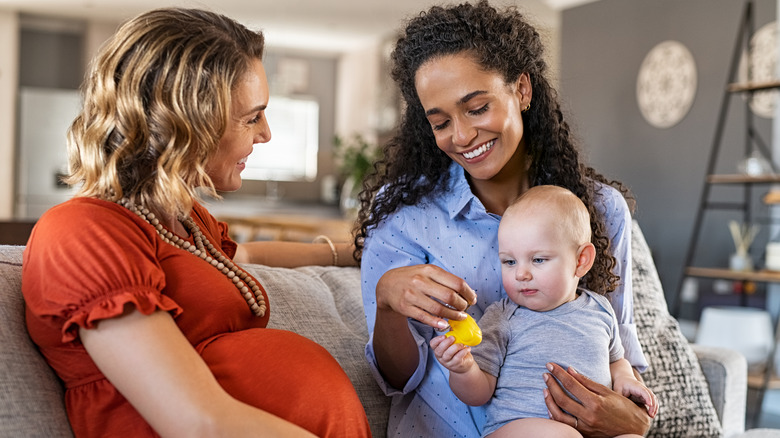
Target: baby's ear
x,y
586,254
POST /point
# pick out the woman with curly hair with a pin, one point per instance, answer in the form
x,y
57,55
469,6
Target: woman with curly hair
x,y
133,290
481,126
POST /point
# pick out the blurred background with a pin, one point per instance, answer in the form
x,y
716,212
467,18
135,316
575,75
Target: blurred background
x,y
642,84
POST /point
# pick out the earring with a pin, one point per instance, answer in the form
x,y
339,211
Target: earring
x,y
527,107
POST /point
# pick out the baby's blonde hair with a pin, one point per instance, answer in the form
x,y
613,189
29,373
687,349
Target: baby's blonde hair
x,y
157,100
567,212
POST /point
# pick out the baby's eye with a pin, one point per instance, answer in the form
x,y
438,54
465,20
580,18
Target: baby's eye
x,y
509,262
538,260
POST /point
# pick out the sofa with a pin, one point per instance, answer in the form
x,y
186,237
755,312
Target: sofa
x,y
702,390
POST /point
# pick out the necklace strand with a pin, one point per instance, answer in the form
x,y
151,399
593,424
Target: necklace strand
x,y
204,249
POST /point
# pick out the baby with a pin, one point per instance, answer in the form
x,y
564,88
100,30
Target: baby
x,y
544,248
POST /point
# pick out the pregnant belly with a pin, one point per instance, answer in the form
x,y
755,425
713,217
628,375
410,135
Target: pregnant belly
x,y
289,376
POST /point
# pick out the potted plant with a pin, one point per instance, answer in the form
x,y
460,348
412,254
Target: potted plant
x,y
354,157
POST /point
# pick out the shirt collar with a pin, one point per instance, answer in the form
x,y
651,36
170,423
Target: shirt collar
x,y
462,201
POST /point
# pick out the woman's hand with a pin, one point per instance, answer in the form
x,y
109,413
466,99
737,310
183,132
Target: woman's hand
x,y
601,412
418,292
426,293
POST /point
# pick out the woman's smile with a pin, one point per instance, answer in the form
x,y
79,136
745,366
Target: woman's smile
x,y
241,165
480,151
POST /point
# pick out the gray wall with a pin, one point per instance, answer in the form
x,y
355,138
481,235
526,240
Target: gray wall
x,y
51,58
602,46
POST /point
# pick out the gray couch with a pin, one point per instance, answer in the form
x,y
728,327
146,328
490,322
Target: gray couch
x,y
324,303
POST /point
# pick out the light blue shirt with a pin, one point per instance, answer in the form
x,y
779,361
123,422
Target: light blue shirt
x,y
455,232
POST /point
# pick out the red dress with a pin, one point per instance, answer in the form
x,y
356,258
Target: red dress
x,y
87,258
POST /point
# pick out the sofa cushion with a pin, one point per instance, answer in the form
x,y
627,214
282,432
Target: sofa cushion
x,y
30,393
325,305
674,373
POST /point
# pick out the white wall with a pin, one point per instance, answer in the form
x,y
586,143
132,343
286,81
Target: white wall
x,y
96,34
357,82
9,53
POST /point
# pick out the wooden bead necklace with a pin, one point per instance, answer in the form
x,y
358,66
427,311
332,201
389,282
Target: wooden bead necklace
x,y
204,249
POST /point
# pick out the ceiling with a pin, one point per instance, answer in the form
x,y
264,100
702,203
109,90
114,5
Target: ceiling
x,y
331,25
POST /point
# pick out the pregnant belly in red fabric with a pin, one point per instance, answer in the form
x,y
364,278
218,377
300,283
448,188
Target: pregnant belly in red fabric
x,y
287,375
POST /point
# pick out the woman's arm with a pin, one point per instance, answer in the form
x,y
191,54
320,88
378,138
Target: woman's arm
x,y
618,221
413,292
601,412
294,254
152,364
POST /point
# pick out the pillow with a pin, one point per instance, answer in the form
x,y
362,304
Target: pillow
x,y
674,374
31,395
324,304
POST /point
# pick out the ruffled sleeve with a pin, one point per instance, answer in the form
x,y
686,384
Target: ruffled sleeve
x,y
87,260
112,305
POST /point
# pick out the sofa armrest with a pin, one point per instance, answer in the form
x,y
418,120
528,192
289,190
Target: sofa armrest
x,y
726,374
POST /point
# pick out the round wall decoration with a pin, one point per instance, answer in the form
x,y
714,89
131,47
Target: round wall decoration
x,y
763,58
666,84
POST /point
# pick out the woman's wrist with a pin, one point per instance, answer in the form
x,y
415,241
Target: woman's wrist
x,y
325,239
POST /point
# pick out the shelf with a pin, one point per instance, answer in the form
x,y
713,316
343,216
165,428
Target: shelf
x,y
753,86
772,197
728,274
739,178
743,199
757,381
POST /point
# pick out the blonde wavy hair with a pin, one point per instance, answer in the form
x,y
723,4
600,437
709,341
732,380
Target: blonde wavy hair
x,y
157,100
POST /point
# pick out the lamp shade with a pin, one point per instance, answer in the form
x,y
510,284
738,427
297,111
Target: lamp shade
x,y
744,329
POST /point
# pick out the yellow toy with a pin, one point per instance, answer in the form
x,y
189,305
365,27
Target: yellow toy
x,y
466,332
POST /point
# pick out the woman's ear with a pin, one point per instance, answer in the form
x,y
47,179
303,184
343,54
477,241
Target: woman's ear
x,y
586,255
524,90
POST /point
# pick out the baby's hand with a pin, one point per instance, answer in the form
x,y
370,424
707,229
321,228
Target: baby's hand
x,y
634,389
454,356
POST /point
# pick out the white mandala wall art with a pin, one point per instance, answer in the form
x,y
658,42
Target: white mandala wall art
x,y
666,84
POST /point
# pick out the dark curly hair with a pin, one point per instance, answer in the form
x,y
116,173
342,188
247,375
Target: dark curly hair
x,y
414,168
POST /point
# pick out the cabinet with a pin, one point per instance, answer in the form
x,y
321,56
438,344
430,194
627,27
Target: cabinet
x,y
743,198
287,227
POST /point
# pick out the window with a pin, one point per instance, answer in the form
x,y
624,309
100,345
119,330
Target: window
x,y
291,155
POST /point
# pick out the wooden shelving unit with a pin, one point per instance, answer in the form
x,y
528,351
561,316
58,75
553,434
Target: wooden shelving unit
x,y
745,203
742,179
752,86
727,274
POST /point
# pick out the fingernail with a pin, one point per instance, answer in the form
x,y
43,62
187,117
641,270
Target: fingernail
x,y
463,315
574,371
545,377
549,366
442,325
